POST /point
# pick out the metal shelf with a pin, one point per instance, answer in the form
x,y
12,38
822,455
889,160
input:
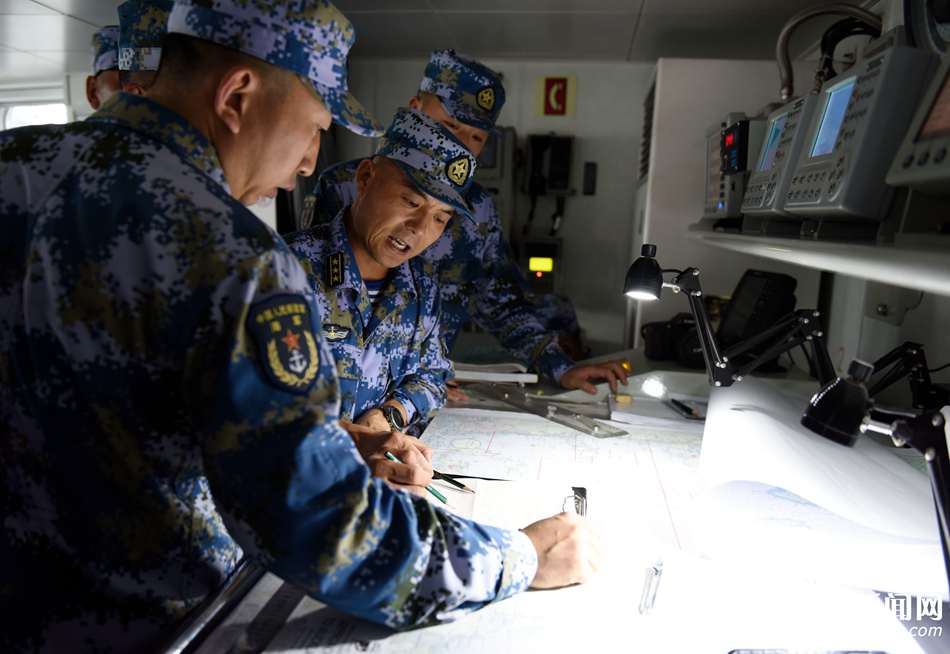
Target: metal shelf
x,y
917,268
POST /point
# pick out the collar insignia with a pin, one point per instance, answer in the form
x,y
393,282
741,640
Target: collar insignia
x,y
335,270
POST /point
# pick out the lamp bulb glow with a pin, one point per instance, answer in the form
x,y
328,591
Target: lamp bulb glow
x,y
654,387
641,295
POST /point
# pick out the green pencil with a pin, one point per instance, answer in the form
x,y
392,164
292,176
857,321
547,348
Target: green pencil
x,y
442,498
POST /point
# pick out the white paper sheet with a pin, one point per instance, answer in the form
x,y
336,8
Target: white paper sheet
x,y
777,497
507,504
779,534
651,412
753,434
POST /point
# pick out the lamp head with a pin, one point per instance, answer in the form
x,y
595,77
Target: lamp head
x,y
837,410
644,277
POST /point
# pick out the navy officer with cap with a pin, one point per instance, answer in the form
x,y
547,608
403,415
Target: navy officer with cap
x,y
104,81
378,299
478,278
168,400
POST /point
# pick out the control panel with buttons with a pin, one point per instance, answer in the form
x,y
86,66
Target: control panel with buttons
x,y
787,127
855,133
923,160
731,147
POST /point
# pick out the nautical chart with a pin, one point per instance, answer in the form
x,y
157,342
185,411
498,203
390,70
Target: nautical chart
x,y
656,466
517,446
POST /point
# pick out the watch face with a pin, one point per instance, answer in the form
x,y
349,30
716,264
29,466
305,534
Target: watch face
x,y
394,417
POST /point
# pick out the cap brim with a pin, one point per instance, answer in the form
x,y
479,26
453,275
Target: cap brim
x,y
477,123
348,111
468,116
440,192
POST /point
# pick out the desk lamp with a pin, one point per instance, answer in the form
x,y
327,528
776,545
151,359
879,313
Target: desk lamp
x,y
908,360
645,282
842,409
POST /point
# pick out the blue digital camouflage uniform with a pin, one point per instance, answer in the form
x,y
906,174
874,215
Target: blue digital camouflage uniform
x,y
142,26
160,417
387,350
478,277
390,350
105,49
474,94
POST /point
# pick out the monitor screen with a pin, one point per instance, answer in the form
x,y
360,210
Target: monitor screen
x,y
767,160
938,120
836,104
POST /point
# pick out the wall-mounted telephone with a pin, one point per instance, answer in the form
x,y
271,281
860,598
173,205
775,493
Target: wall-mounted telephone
x,y
549,173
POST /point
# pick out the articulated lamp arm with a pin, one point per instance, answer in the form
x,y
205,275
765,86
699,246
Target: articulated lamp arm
x,y
644,281
796,329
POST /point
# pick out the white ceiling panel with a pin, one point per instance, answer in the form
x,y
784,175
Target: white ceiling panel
x,y
70,61
37,33
413,34
40,34
748,10
95,12
539,6
23,7
375,6
722,29
543,36
18,65
74,61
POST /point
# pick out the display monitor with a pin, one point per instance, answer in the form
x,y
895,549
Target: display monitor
x,y
767,160
832,115
937,122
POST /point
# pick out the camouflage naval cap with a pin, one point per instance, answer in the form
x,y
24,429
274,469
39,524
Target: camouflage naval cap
x,y
105,49
470,92
142,26
436,162
308,37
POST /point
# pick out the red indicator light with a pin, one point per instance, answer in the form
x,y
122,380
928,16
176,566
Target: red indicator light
x,y
730,139
539,274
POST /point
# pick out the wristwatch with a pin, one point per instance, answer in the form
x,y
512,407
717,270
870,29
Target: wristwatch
x,y
393,417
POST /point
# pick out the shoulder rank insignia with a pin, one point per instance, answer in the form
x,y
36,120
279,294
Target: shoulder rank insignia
x,y
335,269
306,213
486,98
335,333
457,170
288,350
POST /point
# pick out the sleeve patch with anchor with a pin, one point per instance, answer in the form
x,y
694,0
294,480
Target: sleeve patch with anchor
x,y
287,348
